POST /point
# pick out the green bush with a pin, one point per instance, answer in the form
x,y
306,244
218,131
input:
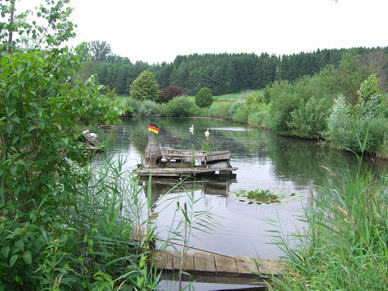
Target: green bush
x,y
345,243
241,114
145,87
359,132
309,119
178,107
204,98
219,109
233,107
148,108
143,108
261,116
59,226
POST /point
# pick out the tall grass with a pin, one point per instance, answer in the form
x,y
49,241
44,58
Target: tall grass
x,y
345,246
85,240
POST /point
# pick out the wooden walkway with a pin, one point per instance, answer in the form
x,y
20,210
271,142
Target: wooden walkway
x,y
176,172
217,264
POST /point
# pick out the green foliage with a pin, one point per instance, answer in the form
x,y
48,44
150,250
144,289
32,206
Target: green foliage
x,y
145,87
178,107
99,50
46,27
261,116
359,129
84,245
218,109
204,98
260,196
344,247
39,104
61,225
241,114
309,119
368,89
143,108
206,146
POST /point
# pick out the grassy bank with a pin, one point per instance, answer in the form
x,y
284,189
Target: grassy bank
x,y
345,246
343,106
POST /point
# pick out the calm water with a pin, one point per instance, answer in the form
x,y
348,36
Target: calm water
x,y
264,161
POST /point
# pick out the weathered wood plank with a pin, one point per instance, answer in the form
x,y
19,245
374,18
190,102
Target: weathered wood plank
x,y
179,171
224,264
246,265
204,262
269,267
188,262
163,260
176,259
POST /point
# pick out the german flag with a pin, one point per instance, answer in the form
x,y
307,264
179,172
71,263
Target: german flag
x,y
153,128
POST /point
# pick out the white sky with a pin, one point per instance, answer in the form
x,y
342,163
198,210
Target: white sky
x,y
159,30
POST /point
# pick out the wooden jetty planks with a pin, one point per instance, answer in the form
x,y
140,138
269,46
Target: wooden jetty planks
x,y
188,262
171,172
189,155
202,262
224,264
247,265
163,260
269,267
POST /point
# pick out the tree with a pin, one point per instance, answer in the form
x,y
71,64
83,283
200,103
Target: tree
x,y
100,50
48,26
204,98
170,92
369,88
145,87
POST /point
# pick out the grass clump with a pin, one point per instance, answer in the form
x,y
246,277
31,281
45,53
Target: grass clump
x,y
345,247
260,196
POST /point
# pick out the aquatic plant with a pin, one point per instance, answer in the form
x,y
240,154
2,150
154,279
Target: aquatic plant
x,y
260,196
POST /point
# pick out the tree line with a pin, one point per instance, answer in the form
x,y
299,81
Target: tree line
x,y
221,73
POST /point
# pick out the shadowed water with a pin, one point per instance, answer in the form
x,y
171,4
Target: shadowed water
x,y
264,161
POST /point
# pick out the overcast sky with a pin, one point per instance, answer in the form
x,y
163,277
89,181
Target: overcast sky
x,y
158,30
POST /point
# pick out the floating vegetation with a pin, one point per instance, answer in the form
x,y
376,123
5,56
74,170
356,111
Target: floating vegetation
x,y
259,196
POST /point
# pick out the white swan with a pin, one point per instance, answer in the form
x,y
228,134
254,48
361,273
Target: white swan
x,y
207,133
191,129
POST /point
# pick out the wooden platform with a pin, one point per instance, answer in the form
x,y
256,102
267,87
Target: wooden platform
x,y
176,172
189,155
217,264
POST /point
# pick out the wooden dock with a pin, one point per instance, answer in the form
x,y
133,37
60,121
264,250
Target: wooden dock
x,y
188,156
176,172
212,264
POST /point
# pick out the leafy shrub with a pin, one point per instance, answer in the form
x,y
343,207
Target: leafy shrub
x,y
145,87
309,119
148,108
178,107
261,116
133,105
241,114
219,109
142,108
233,107
204,98
369,88
170,92
349,129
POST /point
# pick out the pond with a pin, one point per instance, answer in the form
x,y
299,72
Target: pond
x,y
290,167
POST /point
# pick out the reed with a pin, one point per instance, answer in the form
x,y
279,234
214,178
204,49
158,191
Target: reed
x,y
345,244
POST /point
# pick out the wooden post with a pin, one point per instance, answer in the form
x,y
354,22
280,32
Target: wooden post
x,y
152,154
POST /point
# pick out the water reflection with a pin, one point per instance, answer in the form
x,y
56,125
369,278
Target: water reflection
x,y
265,161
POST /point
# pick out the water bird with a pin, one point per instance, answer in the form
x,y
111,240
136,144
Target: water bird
x,y
191,129
207,133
